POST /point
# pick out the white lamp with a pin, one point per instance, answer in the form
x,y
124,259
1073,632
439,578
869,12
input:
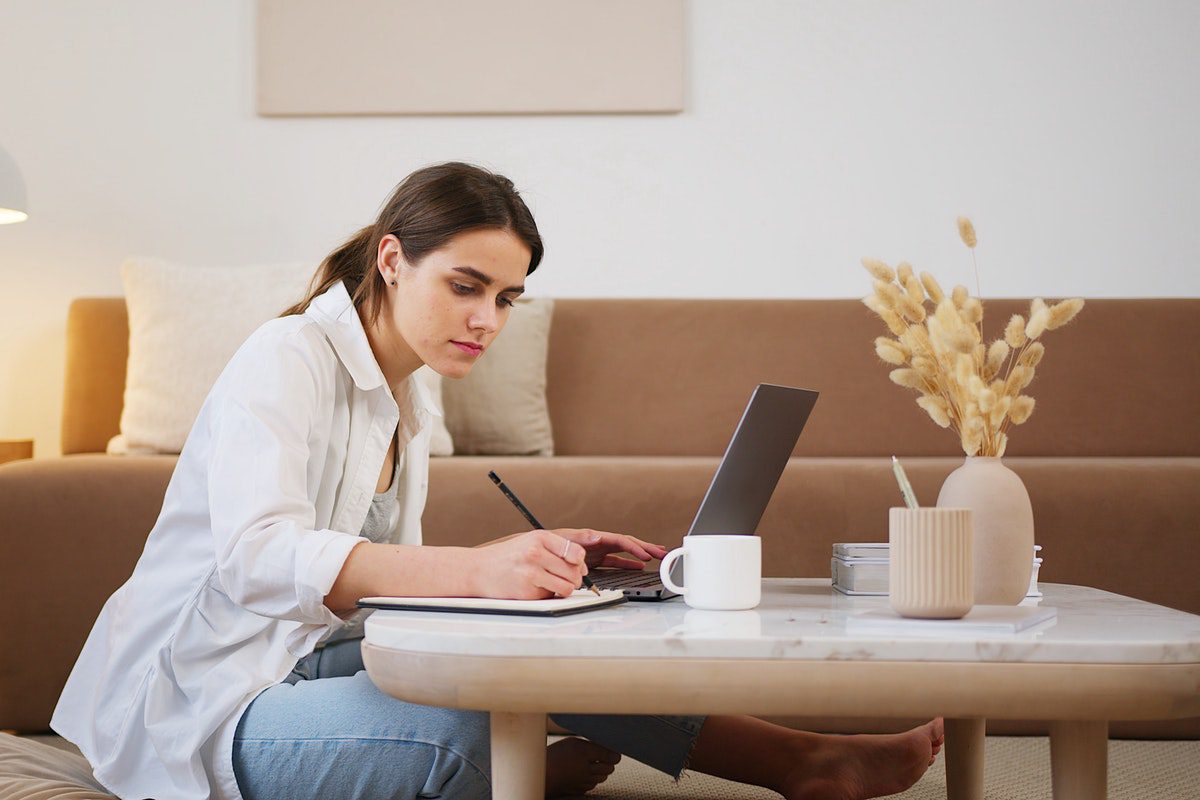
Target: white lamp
x,y
12,191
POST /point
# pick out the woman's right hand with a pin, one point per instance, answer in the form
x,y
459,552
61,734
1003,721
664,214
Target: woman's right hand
x,y
532,566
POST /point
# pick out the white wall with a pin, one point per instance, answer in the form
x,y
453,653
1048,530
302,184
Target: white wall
x,y
815,133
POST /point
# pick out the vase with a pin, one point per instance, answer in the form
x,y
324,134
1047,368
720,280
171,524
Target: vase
x,y
1003,522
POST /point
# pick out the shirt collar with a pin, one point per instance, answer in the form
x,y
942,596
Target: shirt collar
x,y
334,311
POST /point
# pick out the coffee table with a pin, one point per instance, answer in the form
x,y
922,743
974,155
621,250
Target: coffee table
x,y
1105,657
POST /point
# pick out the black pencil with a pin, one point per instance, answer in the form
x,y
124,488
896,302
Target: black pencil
x,y
532,520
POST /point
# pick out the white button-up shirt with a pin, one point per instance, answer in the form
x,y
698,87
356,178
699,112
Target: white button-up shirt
x,y
263,507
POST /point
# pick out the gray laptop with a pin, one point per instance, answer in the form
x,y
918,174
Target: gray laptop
x,y
745,479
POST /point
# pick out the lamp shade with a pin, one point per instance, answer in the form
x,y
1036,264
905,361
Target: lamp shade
x,y
12,191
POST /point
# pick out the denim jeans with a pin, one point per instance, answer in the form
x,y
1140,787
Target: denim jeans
x,y
327,731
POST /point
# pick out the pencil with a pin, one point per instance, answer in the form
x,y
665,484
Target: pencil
x,y
906,490
532,520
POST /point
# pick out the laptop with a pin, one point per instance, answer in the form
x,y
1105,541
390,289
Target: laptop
x,y
743,484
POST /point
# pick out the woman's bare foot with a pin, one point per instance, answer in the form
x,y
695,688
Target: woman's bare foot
x,y
575,766
856,767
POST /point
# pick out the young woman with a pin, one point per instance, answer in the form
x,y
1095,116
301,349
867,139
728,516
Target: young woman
x,y
228,665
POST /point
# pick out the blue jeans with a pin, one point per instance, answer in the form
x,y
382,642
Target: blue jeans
x,y
327,731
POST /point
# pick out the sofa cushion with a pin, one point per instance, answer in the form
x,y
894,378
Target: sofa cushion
x,y
35,771
184,325
500,407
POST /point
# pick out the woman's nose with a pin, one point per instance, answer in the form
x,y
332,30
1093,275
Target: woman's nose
x,y
484,317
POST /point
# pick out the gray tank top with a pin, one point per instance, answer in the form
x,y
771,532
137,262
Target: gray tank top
x,y
376,527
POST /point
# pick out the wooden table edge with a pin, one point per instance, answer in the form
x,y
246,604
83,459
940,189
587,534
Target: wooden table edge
x,y
901,689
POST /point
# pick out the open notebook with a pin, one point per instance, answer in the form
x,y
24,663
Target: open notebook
x,y
580,600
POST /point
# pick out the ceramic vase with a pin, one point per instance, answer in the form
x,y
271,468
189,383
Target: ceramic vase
x,y
1003,522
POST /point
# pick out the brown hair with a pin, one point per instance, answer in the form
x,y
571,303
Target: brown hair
x,y
427,209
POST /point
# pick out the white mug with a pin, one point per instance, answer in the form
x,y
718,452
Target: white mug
x,y
723,572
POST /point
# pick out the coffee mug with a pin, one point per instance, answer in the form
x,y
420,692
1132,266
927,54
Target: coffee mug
x,y
931,569
722,572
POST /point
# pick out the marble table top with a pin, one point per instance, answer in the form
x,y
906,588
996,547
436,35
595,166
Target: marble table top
x,y
805,619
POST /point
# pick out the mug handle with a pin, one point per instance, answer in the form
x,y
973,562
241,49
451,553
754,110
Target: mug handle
x,y
664,571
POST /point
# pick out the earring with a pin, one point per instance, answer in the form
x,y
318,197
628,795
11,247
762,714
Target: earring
x,y
393,283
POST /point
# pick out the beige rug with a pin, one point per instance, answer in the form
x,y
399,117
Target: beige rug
x,y
1016,768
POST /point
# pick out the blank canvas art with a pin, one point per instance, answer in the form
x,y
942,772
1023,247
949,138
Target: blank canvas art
x,y
469,57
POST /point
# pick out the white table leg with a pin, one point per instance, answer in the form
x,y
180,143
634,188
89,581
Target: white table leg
x,y
1079,760
518,756
964,758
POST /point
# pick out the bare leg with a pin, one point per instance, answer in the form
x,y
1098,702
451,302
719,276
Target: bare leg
x,y
810,765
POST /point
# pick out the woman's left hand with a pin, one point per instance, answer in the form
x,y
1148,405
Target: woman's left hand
x,y
601,548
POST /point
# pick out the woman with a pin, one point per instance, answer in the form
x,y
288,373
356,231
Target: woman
x,y
228,665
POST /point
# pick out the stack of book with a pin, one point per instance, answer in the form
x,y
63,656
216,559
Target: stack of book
x,y
862,568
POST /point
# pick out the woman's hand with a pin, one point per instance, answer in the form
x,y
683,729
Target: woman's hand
x,y
542,564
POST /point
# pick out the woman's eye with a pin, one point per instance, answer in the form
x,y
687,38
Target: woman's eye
x,y
463,289
505,301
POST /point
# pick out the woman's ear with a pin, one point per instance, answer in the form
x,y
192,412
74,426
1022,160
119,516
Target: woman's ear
x,y
389,258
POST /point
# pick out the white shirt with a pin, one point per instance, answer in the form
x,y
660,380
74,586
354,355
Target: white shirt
x,y
282,461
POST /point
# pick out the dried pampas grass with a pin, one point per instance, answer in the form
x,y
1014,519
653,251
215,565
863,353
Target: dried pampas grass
x,y
939,350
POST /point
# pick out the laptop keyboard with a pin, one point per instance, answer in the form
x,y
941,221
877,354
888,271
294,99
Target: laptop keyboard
x,y
625,579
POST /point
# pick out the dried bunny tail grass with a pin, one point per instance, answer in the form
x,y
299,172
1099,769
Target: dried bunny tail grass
x,y
972,311
1022,407
904,271
916,339
947,316
979,352
914,289
888,294
1015,381
987,400
879,269
908,378
971,442
932,288
997,354
1001,444
926,368
910,309
889,317
964,369
1064,312
1014,333
976,386
959,294
891,351
1037,323
894,322
1000,411
966,232
1032,356
936,408
963,340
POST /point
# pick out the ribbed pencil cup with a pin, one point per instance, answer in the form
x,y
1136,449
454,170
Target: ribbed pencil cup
x,y
931,567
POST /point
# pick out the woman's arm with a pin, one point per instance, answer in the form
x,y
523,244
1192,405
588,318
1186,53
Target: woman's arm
x,y
402,570
531,566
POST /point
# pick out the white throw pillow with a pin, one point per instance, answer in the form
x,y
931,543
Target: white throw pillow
x,y
185,323
500,407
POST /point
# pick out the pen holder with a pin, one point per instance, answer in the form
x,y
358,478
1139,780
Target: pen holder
x,y
931,568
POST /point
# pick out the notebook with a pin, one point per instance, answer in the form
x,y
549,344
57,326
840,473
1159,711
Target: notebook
x,y
580,600
980,620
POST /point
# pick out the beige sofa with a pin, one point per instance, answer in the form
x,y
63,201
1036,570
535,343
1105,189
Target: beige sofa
x,y
643,395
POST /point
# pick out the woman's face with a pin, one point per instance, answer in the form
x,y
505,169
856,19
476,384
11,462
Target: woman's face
x,y
449,307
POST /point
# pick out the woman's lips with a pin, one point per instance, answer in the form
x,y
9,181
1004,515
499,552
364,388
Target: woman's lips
x,y
472,349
